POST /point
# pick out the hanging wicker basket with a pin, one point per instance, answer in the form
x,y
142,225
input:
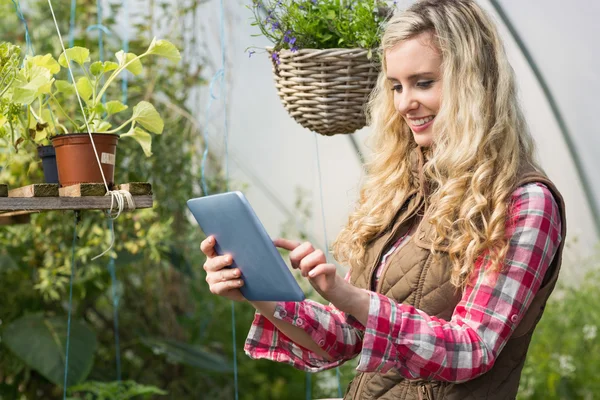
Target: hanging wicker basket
x,y
326,90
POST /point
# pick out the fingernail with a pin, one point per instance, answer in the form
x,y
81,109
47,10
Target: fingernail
x,y
236,273
311,273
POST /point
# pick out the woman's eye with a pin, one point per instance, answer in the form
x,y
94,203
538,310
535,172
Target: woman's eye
x,y
424,84
397,88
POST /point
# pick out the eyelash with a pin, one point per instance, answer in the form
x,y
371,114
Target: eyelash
x,y
422,85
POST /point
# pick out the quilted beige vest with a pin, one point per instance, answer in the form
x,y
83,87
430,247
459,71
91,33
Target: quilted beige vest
x,y
414,276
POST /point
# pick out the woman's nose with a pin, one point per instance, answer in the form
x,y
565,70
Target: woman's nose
x,y
406,103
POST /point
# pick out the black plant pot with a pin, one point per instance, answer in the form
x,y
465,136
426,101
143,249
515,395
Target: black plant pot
x,y
48,157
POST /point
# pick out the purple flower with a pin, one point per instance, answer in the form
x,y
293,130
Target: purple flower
x,y
289,39
250,52
294,49
275,26
275,57
314,1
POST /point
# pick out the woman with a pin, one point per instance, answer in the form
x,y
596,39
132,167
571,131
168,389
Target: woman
x,y
455,243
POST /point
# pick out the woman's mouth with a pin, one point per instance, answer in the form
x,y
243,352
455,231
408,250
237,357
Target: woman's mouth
x,y
419,125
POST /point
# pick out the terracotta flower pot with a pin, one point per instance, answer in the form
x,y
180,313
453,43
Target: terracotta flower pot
x,y
77,162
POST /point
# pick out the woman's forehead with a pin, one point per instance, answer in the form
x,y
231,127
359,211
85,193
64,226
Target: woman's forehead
x,y
413,56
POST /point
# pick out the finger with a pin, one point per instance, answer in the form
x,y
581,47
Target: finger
x,y
286,243
217,263
208,246
221,288
312,260
322,269
299,253
222,275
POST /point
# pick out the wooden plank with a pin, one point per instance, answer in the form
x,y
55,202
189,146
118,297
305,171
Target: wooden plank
x,y
67,203
83,190
98,189
137,188
36,190
22,218
3,190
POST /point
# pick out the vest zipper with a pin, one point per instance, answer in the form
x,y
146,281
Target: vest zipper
x,y
424,393
408,214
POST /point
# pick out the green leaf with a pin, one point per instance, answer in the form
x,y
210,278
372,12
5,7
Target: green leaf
x,y
115,106
165,49
123,390
40,343
331,14
99,109
2,122
84,87
80,55
143,138
7,263
98,68
183,353
64,87
135,67
100,126
46,61
148,117
31,83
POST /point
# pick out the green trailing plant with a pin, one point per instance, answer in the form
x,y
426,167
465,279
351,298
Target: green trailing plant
x,y
10,113
321,24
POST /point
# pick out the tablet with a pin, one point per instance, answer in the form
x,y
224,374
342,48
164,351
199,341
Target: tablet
x,y
238,231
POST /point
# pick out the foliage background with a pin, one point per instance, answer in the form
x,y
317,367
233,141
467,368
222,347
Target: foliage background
x,y
174,334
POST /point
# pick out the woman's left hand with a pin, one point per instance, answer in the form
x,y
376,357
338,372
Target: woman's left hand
x,y
313,265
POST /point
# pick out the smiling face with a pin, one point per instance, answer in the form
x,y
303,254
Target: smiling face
x,y
414,71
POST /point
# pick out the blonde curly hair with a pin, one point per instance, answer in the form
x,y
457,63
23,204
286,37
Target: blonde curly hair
x,y
481,139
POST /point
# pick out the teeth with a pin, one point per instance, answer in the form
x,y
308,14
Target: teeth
x,y
417,122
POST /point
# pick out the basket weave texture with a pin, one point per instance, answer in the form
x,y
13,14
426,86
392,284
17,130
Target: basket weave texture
x,y
326,90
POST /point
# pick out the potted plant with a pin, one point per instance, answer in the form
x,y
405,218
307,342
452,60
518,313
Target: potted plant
x,y
324,57
45,97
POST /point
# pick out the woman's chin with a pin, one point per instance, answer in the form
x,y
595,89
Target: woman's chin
x,y
423,139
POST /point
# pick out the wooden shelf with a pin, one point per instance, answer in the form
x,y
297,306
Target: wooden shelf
x,y
46,197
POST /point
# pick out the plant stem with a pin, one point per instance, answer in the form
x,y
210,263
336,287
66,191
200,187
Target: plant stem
x,y
116,73
34,115
120,127
63,111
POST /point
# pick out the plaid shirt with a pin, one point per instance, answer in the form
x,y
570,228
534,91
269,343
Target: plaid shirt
x,y
419,345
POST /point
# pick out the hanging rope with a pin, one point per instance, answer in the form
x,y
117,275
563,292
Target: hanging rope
x,y
70,307
120,197
22,18
72,23
219,78
115,301
125,46
337,369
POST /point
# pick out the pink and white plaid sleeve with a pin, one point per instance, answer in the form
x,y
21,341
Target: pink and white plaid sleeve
x,y
421,346
326,325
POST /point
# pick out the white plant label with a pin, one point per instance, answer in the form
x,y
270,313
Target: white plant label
x,y
108,158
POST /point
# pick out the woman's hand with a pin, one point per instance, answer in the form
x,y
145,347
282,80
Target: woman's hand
x,y
222,281
323,277
313,265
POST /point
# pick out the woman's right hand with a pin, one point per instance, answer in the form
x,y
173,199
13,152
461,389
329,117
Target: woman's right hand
x,y
222,281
